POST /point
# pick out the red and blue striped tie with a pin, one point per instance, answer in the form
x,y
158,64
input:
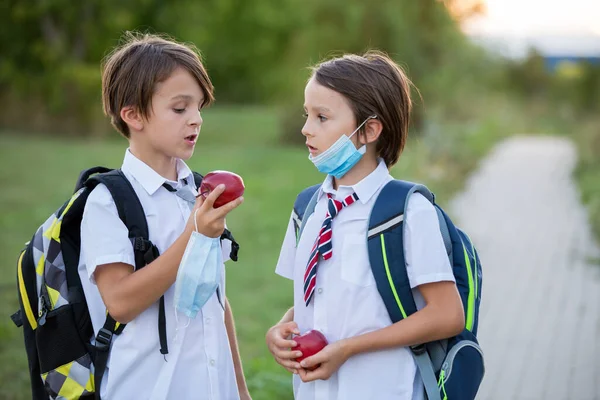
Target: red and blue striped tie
x,y
323,245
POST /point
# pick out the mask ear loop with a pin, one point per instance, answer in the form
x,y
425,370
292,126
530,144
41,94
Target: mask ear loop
x,y
177,325
374,116
195,220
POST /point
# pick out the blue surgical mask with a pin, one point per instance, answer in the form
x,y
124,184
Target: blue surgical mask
x,y
199,273
341,156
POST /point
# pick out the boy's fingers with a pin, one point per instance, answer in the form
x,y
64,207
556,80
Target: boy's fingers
x,y
288,355
313,360
308,376
290,327
212,197
227,208
304,375
290,364
199,202
278,343
292,370
282,343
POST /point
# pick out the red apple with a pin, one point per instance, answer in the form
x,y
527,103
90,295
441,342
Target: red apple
x,y
234,186
309,344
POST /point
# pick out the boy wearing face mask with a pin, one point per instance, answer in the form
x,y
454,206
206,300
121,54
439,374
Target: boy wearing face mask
x,y
153,92
357,117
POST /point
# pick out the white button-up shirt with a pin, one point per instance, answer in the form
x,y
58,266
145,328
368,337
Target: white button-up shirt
x,y
346,302
199,364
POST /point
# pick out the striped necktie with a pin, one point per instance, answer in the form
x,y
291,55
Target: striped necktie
x,y
323,245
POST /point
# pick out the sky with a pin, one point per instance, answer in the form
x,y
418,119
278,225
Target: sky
x,y
535,17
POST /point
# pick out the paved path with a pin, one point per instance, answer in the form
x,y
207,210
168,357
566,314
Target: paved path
x,y
540,312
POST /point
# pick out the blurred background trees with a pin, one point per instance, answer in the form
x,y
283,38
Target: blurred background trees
x,y
256,51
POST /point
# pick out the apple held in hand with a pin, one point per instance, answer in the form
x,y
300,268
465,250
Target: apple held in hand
x,y
234,186
309,344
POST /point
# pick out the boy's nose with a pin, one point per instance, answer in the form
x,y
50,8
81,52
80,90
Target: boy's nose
x,y
196,119
304,130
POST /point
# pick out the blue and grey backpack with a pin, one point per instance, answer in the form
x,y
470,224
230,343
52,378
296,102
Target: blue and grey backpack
x,y
451,369
63,362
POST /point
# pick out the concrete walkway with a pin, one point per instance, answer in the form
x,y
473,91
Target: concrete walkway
x,y
540,312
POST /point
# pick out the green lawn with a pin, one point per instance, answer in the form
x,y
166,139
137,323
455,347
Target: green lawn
x,y
37,173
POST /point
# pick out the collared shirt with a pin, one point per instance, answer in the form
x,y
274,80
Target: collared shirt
x,y
199,364
346,302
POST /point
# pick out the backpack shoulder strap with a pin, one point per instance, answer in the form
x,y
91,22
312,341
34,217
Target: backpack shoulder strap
x,y
86,173
386,254
197,179
128,204
386,227
304,206
385,240
131,213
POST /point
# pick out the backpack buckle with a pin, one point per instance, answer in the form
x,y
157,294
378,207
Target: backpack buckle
x,y
103,339
418,349
151,254
141,244
17,318
145,249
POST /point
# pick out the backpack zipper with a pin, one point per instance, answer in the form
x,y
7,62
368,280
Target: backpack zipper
x,y
45,305
43,310
447,365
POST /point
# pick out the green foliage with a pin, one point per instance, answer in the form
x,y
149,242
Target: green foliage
x,y
255,52
587,137
572,85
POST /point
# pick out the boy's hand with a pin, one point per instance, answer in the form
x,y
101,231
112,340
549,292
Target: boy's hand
x,y
210,221
328,360
279,343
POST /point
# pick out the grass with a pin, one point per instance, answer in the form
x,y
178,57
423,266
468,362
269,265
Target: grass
x,y
587,172
37,173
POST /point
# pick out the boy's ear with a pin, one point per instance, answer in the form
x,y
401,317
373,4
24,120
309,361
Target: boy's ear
x,y
372,130
132,117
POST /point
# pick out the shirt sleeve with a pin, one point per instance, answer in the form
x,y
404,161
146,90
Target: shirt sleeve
x,y
287,255
424,249
104,237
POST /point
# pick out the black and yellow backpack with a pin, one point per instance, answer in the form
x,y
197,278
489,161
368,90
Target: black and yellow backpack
x,y
64,361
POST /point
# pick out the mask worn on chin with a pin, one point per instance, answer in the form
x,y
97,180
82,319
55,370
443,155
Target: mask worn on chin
x,y
341,156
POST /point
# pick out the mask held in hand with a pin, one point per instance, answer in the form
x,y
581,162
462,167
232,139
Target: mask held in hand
x,y
199,273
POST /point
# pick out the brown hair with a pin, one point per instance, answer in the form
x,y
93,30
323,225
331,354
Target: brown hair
x,y
373,84
132,70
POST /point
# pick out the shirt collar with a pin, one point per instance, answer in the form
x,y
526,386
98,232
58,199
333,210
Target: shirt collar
x,y
365,189
149,178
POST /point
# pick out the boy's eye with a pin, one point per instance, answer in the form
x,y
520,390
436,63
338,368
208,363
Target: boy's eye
x,y
321,117
179,110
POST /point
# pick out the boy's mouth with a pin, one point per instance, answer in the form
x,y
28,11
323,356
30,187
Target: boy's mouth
x,y
311,149
191,138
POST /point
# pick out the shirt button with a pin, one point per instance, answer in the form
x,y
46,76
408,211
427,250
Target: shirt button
x,y
320,290
212,362
208,320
